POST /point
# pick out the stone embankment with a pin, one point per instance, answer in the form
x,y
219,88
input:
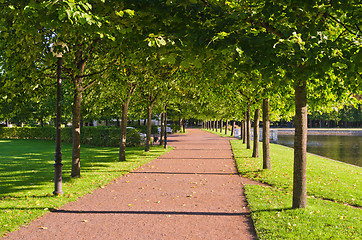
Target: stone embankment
x,y
320,131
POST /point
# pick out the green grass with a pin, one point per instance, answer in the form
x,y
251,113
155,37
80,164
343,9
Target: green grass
x,y
222,134
331,186
27,173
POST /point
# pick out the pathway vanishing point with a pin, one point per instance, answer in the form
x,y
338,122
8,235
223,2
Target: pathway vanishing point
x,y
192,192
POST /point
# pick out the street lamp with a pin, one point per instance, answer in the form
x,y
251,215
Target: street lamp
x,y
58,154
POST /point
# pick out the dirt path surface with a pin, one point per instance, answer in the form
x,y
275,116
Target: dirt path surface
x,y
192,192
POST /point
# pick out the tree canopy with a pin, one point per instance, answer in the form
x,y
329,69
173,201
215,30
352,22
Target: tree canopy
x,y
204,59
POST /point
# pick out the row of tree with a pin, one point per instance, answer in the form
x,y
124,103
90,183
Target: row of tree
x,y
204,59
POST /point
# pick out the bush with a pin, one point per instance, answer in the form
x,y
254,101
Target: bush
x,y
97,136
143,129
133,138
47,133
175,128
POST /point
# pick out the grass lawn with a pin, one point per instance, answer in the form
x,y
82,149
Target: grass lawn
x,y
222,134
27,173
332,188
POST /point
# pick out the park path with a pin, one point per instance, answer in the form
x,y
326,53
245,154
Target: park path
x,y
192,192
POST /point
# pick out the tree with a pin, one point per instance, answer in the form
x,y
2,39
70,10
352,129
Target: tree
x,y
266,127
256,133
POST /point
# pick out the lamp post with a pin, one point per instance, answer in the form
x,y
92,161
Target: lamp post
x,y
58,154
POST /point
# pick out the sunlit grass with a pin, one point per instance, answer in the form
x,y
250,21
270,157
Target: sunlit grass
x,y
274,219
27,173
326,179
222,134
331,185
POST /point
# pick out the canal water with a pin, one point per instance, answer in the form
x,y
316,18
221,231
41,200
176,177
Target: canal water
x,y
342,148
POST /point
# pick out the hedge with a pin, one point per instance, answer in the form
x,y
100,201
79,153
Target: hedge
x,y
97,136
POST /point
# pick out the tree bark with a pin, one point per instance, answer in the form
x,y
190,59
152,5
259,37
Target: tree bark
x,y
232,128
180,120
216,125
162,128
76,133
243,130
221,125
226,126
248,126
149,126
300,147
76,120
122,147
165,125
256,133
213,125
266,137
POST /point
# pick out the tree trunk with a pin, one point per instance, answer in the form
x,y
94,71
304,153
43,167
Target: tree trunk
x,y
76,120
180,120
256,133
122,147
162,133
221,125
232,128
226,127
266,129
165,125
243,130
216,125
248,126
300,148
213,125
76,133
149,125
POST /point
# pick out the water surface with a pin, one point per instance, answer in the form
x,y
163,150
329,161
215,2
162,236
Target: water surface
x,y
342,148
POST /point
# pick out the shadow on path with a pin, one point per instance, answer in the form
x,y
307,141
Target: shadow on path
x,y
155,213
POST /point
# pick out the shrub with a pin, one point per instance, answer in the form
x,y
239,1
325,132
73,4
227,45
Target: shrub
x,y
97,136
175,128
133,138
143,129
47,133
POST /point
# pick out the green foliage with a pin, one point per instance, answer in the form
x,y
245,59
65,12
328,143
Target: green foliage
x,y
175,128
143,129
96,136
46,133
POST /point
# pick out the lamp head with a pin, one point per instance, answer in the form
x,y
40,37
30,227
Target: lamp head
x,y
58,49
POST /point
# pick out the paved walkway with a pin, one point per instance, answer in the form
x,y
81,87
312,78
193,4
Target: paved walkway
x,y
192,192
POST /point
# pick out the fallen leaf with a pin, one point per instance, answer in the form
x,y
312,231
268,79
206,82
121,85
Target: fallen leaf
x,y
43,228
85,221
